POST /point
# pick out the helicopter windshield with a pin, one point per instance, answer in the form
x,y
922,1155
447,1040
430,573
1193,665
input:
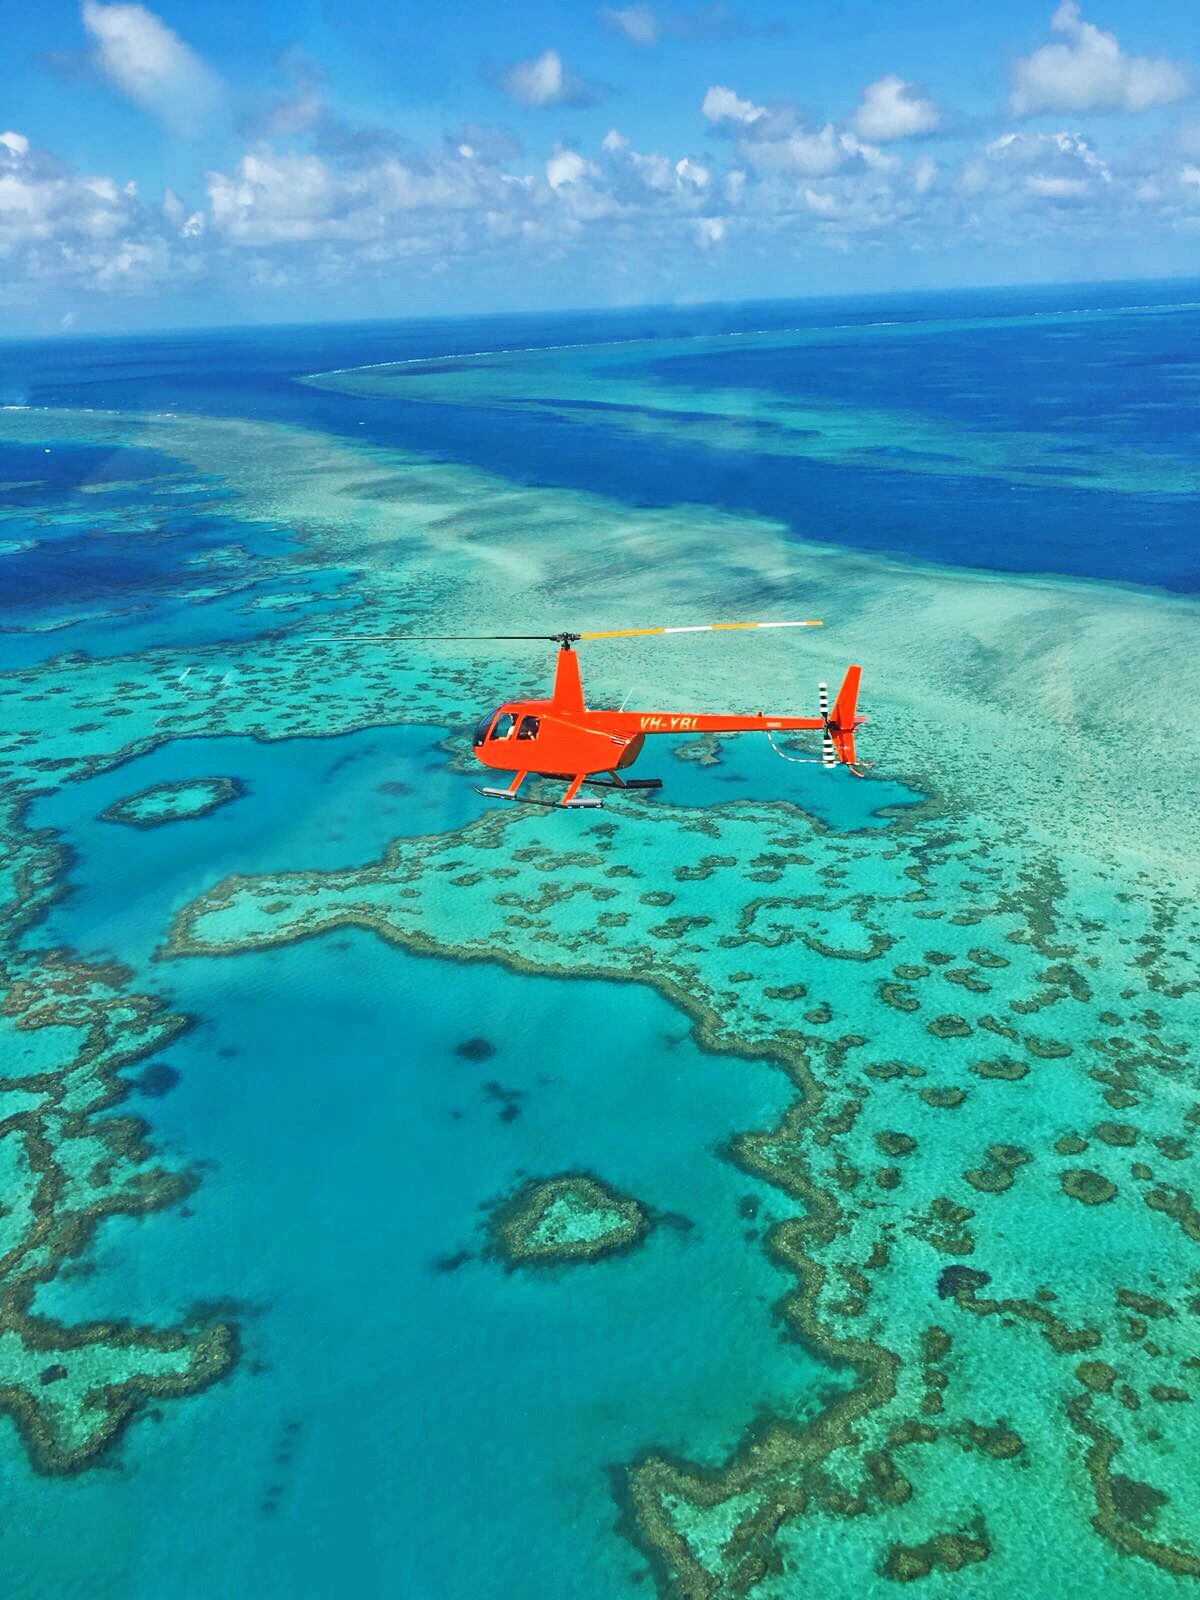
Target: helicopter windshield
x,y
481,730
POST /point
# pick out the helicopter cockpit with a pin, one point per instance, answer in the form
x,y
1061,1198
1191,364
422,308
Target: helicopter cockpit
x,y
502,724
485,722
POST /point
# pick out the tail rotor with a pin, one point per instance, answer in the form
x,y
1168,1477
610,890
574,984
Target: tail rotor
x,y
829,757
837,728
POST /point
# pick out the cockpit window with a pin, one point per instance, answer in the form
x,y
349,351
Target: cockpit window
x,y
504,725
529,728
481,730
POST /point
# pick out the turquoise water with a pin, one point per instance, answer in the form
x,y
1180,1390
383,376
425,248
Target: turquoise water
x,y
350,1141
358,792
343,1048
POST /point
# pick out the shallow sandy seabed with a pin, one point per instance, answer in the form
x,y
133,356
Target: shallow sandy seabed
x,y
987,1008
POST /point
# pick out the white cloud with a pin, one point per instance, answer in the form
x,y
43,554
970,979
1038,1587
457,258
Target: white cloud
x,y
365,209
637,22
565,167
924,176
635,179
1022,168
722,105
545,81
40,203
287,198
869,154
363,205
86,230
709,232
274,199
774,139
188,225
810,153
151,65
655,171
813,154
1057,188
894,109
1090,72
1064,151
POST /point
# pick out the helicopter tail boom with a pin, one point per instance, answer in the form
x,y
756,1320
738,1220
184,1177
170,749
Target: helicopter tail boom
x,y
836,725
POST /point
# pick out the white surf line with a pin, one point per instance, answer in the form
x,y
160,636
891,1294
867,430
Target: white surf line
x,y
752,333
598,344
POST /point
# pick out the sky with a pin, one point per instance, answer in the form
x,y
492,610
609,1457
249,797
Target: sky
x,y
189,164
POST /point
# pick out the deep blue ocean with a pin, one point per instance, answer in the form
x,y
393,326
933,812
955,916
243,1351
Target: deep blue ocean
x,y
1037,364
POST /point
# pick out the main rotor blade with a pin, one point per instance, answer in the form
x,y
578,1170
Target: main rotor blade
x,y
399,638
548,638
702,627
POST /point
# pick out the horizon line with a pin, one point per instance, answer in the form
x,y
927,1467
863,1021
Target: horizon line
x,y
677,308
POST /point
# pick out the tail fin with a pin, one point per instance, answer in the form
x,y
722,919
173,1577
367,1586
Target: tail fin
x,y
844,718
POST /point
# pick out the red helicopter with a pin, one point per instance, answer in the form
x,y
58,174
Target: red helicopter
x,y
560,738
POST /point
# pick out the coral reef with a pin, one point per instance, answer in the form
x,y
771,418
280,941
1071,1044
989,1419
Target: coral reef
x,y
1029,932
172,802
730,959
571,1217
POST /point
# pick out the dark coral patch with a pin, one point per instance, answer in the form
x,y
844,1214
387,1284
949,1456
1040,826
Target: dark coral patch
x,y
1070,1145
185,801
1117,1133
947,1099
451,1263
1138,1503
1097,1376
893,1143
1005,1068
1091,1188
572,1217
949,1551
475,1049
1000,1441
155,1080
949,1026
957,1279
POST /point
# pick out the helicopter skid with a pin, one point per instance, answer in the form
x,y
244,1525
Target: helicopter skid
x,y
625,783
548,805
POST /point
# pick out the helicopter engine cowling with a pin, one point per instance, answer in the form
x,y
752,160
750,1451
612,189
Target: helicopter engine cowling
x,y
632,750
